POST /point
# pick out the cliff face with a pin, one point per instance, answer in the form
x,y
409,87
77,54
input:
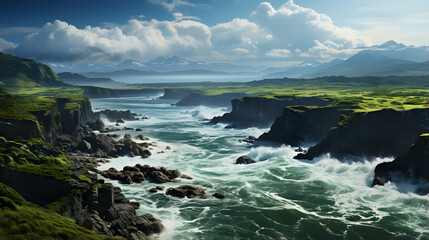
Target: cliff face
x,y
63,116
383,133
297,127
262,111
414,165
221,100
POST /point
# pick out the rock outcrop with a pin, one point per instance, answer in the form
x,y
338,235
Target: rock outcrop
x,y
244,160
139,173
302,125
256,111
221,100
189,191
115,115
383,133
412,166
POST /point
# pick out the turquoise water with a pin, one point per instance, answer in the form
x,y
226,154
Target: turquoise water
x,y
276,198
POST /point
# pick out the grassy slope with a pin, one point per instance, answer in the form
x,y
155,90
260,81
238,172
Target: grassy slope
x,y
15,71
360,94
20,219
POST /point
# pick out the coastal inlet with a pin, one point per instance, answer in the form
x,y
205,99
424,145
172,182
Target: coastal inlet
x,y
275,198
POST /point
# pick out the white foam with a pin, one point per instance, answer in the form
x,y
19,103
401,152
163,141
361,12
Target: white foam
x,y
204,112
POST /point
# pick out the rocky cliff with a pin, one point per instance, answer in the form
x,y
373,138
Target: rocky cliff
x,y
221,100
302,125
383,133
413,165
262,111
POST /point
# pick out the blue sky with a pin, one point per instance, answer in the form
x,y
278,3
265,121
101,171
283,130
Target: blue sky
x,y
223,30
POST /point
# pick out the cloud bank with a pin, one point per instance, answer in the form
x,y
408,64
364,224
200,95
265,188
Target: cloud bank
x,y
289,32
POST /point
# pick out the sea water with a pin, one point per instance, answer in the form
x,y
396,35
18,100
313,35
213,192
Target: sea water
x,y
276,198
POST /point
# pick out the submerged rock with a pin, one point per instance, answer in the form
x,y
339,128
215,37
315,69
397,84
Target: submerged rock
x,y
377,181
244,160
189,191
219,195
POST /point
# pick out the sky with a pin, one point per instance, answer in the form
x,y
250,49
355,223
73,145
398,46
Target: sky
x,y
273,33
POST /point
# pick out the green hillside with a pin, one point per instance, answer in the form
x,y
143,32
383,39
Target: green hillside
x,y
16,71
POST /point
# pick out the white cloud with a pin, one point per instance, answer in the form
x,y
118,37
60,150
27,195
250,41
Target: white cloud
x,y
278,53
179,16
241,51
62,42
173,4
4,45
289,32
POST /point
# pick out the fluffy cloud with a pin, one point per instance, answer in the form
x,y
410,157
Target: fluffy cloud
x,y
289,32
4,45
278,53
173,4
62,42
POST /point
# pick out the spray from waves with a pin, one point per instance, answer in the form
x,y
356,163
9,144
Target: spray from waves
x,y
265,153
204,112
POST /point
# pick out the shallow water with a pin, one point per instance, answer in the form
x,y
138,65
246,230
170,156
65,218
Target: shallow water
x,y
276,198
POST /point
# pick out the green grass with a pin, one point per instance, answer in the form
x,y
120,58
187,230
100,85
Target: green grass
x,y
23,220
359,94
16,155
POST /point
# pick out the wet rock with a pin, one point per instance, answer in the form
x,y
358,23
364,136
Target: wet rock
x,y
219,195
120,121
135,205
189,191
97,125
84,146
377,181
160,188
186,177
148,224
117,124
153,190
244,160
141,137
139,129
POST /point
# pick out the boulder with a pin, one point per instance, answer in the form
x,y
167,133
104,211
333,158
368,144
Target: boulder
x,y
219,195
84,146
377,181
244,160
189,191
120,121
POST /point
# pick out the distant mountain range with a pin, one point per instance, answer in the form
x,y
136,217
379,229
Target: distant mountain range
x,y
389,58
159,64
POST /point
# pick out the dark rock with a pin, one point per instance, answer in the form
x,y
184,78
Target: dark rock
x,y
117,124
114,115
148,224
141,137
120,121
160,188
153,190
159,177
189,191
97,125
139,129
84,146
413,166
383,133
377,181
219,195
186,177
261,111
302,125
244,160
135,205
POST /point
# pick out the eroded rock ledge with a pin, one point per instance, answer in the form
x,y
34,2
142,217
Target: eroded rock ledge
x,y
412,166
383,133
